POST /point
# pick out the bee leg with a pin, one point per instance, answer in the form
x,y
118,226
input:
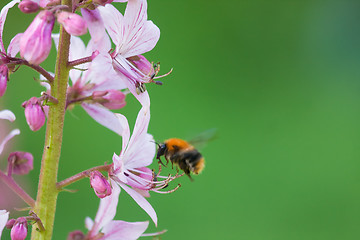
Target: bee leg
x,y
160,162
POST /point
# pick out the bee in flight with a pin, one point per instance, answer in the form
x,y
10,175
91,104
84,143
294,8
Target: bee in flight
x,y
183,154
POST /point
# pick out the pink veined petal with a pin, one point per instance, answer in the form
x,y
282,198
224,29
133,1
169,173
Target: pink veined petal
x,y
141,148
141,201
126,130
118,170
14,46
103,116
144,193
134,18
116,230
120,0
8,137
107,208
8,115
111,80
99,39
113,22
141,153
4,216
144,41
3,14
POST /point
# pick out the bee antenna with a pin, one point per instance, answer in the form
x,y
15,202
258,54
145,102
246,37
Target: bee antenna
x,y
156,143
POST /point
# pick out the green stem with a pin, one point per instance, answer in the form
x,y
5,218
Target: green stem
x,y
45,205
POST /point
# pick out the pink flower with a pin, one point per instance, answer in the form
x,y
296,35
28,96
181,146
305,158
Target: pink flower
x,y
130,167
4,216
133,36
105,228
35,43
92,80
73,23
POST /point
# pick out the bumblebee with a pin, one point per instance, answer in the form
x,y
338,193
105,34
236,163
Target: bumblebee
x,y
182,154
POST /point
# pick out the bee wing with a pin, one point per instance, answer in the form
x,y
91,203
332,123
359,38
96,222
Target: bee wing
x,y
200,140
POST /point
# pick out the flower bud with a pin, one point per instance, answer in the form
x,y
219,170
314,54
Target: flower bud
x,y
34,114
141,63
22,162
35,43
73,23
111,99
10,223
4,76
76,235
100,185
19,230
28,6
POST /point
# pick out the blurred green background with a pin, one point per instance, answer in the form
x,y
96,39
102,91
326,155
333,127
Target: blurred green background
x,y
280,80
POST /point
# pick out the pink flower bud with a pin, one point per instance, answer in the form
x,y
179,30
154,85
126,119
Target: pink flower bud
x,y
73,23
19,230
28,6
100,185
35,43
76,235
34,114
111,99
22,162
4,76
10,223
141,63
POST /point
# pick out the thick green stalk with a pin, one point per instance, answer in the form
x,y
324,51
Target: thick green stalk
x,y
45,206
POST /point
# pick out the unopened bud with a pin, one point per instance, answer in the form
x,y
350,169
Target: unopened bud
x,y
10,223
76,235
111,99
4,76
141,63
102,2
22,162
73,23
35,43
100,185
28,6
19,230
34,114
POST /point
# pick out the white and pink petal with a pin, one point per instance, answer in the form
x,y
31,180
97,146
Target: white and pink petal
x,y
4,216
8,115
141,201
103,116
8,138
124,230
3,15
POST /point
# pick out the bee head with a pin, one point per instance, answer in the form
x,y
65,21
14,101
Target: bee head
x,y
161,150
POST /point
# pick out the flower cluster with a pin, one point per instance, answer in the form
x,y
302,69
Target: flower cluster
x,y
98,78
